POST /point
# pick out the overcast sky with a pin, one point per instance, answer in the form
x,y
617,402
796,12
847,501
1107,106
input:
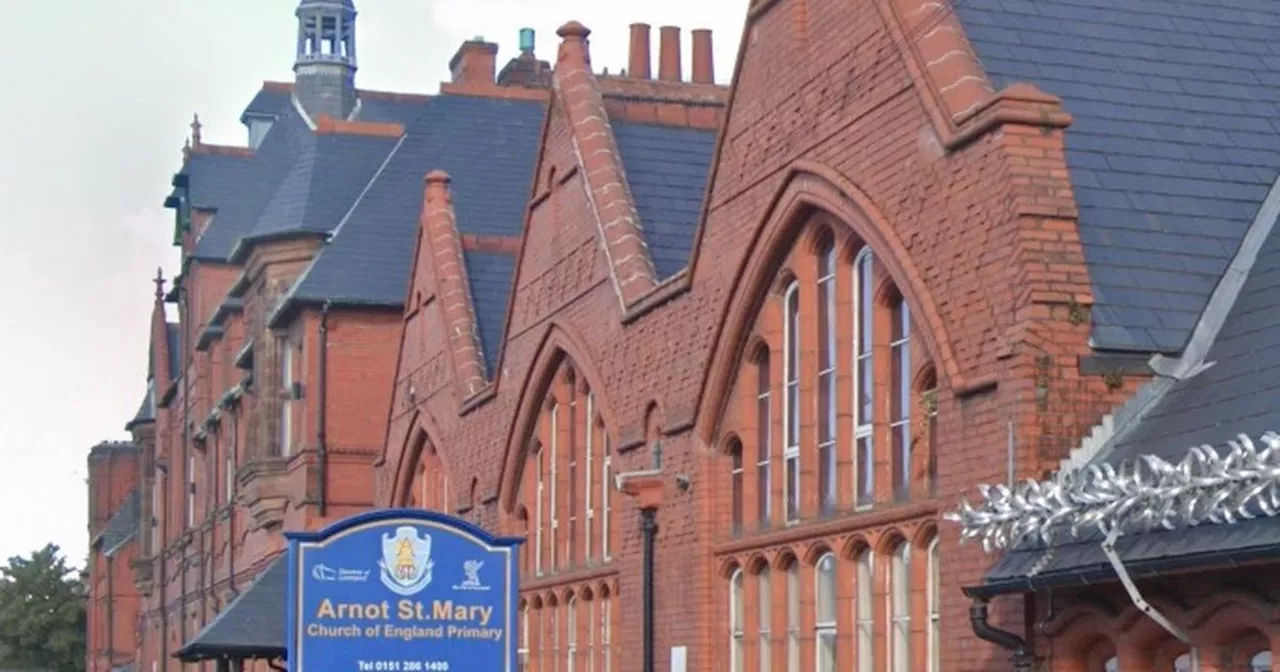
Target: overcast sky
x,y
98,98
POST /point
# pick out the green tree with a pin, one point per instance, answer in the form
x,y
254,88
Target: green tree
x,y
42,614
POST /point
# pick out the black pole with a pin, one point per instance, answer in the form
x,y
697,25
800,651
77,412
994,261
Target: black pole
x,y
648,528
1023,658
322,450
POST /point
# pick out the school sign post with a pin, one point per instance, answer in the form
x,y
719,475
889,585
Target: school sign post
x,y
402,590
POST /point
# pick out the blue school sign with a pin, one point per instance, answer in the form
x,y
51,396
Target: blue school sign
x,y
402,590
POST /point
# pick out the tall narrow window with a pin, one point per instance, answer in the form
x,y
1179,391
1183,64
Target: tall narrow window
x,y
286,405
606,510
900,609
572,494
157,510
863,599
191,491
552,503
588,502
900,399
591,632
606,632
737,614
735,454
764,616
935,611
827,377
554,625
864,378
825,618
571,634
537,518
791,404
522,653
793,617
230,476
929,402
764,434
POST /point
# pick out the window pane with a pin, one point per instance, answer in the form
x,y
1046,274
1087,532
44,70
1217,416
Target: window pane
x,y
764,423
826,477
736,487
793,414
900,607
866,470
826,406
793,617
825,580
793,488
764,618
865,613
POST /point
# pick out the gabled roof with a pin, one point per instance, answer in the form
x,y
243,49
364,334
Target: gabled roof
x,y
491,274
1237,394
487,145
667,169
251,626
1174,145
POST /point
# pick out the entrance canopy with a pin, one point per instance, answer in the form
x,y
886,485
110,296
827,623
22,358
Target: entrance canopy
x,y
252,626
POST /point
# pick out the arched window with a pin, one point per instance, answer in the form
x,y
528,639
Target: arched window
x,y
553,627
864,377
737,614
764,617
793,617
764,434
588,502
865,612
571,633
522,653
590,656
571,448
537,512
826,392
606,502
900,609
606,632
933,604
735,454
432,480
825,618
900,398
553,441
791,404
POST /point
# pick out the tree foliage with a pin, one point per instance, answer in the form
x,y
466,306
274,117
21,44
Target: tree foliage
x,y
42,613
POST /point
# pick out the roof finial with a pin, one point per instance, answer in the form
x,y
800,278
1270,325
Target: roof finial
x,y
159,280
186,150
195,130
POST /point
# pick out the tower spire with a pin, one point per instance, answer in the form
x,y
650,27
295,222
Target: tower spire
x,y
325,66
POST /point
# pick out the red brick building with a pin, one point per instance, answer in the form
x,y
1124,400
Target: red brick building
x,y
726,355
112,608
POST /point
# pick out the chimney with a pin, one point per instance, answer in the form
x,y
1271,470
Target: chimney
x,y
526,70
669,54
476,61
638,66
704,70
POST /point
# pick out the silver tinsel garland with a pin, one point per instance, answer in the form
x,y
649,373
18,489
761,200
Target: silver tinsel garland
x,y
1145,494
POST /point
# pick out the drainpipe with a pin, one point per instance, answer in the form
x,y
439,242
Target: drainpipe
x,y
111,613
1109,549
322,450
231,518
164,542
185,317
648,529
1023,658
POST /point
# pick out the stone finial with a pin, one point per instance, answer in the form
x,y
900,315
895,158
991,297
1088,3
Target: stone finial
x,y
437,187
573,30
195,130
186,150
159,280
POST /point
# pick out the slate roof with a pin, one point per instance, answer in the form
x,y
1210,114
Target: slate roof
x,y
667,171
147,409
1175,142
488,146
491,274
173,333
327,175
251,626
1237,394
122,525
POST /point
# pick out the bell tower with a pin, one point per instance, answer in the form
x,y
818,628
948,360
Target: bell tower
x,y
325,67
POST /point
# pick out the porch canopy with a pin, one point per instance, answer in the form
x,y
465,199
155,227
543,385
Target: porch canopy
x,y
252,625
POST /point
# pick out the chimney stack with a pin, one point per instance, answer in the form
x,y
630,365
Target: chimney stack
x,y
669,54
638,66
704,70
476,61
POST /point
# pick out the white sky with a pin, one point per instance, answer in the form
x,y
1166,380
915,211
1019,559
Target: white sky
x,y
97,101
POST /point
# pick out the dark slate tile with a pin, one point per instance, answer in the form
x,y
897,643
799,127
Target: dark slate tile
x,y
253,623
173,334
123,523
490,275
1175,143
488,146
667,171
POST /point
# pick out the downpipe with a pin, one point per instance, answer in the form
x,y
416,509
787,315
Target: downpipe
x,y
322,449
648,529
1023,658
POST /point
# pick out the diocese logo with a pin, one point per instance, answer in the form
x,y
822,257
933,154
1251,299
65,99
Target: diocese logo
x,y
406,561
471,569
